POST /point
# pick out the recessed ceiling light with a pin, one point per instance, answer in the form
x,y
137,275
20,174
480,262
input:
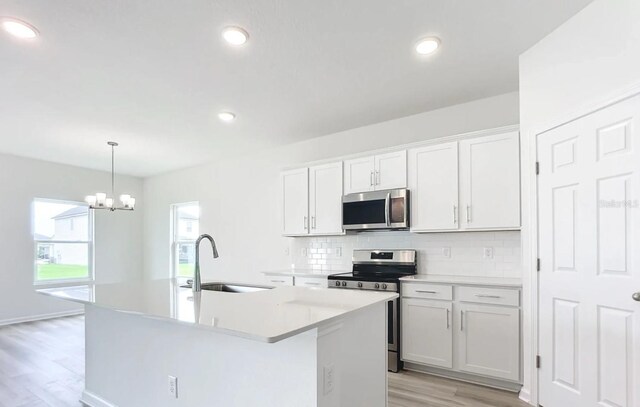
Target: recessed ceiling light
x,y
226,116
18,28
235,35
427,46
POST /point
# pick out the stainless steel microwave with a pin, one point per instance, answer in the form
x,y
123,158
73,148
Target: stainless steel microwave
x,y
376,210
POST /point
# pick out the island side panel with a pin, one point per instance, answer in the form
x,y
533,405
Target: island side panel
x,y
352,360
129,358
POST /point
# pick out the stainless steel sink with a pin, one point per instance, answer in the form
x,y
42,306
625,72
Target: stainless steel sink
x,y
231,288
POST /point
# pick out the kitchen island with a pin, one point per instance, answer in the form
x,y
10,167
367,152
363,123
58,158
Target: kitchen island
x,y
284,346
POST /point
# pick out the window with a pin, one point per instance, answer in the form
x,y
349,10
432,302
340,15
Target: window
x,y
63,236
185,225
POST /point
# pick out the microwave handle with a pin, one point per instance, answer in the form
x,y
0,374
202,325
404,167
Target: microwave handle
x,y
387,209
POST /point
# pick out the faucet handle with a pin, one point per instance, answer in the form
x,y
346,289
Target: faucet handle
x,y
190,282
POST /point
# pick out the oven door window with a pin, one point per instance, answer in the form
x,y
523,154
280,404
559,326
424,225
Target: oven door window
x,y
364,212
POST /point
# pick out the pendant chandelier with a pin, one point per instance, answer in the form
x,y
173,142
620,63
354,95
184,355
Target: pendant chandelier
x,y
102,201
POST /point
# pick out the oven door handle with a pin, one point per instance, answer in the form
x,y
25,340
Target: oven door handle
x,y
387,209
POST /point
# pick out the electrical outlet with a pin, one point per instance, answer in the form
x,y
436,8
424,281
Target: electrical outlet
x,y
303,252
338,251
329,379
446,252
488,252
286,251
173,386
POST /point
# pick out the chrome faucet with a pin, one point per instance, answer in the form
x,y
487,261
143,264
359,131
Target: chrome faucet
x,y
196,286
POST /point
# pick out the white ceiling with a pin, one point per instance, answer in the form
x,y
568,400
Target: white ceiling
x,y
153,74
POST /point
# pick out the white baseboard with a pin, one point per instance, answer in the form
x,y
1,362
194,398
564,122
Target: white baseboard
x,y
525,396
91,400
40,317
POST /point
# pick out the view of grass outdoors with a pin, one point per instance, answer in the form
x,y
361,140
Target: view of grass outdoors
x,y
186,229
62,235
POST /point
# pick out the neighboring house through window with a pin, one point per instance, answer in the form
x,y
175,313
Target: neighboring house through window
x,y
185,220
63,236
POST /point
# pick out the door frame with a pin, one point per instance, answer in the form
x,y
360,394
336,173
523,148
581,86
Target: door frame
x,y
530,230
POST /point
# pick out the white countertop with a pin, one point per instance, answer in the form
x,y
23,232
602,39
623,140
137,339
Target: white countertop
x,y
301,273
267,316
465,280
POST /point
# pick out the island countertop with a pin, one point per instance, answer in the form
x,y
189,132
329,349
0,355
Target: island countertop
x,y
268,316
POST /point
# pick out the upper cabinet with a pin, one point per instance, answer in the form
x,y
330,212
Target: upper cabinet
x,y
312,200
490,182
433,181
473,184
295,202
384,171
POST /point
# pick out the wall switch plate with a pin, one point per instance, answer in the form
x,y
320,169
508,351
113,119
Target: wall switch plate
x,y
329,379
286,251
173,386
303,252
488,252
338,251
446,252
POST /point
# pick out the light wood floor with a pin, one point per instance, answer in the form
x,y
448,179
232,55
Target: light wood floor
x,y
42,364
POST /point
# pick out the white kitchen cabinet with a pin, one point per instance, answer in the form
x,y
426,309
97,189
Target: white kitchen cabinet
x,y
295,202
488,340
325,199
469,330
433,181
373,173
391,170
312,200
490,182
427,332
311,281
359,175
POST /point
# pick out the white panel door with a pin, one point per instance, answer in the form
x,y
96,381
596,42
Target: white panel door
x,y
295,202
325,199
427,332
490,182
359,175
391,170
488,340
589,221
433,181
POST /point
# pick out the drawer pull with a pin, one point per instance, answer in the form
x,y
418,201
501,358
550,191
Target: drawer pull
x,y
487,296
277,281
426,292
309,283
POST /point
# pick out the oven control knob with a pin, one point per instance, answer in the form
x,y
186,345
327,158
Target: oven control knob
x,y
337,283
377,285
344,283
359,285
384,286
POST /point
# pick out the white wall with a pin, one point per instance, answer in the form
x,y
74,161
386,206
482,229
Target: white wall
x,y
239,196
118,237
592,58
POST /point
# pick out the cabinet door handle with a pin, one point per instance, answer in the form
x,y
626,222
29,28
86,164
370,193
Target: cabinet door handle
x,y
487,296
468,214
371,181
377,177
306,223
455,214
448,324
461,320
313,222
426,292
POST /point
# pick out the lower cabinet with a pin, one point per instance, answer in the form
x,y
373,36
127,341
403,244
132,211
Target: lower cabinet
x,y
427,334
489,340
279,280
313,282
461,336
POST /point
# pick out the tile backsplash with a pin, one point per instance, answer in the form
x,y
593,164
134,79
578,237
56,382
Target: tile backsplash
x,y
487,254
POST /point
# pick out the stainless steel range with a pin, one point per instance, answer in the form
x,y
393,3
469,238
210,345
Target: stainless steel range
x,y
381,270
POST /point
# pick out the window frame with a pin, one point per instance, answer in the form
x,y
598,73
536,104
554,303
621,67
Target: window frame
x,y
90,242
174,258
